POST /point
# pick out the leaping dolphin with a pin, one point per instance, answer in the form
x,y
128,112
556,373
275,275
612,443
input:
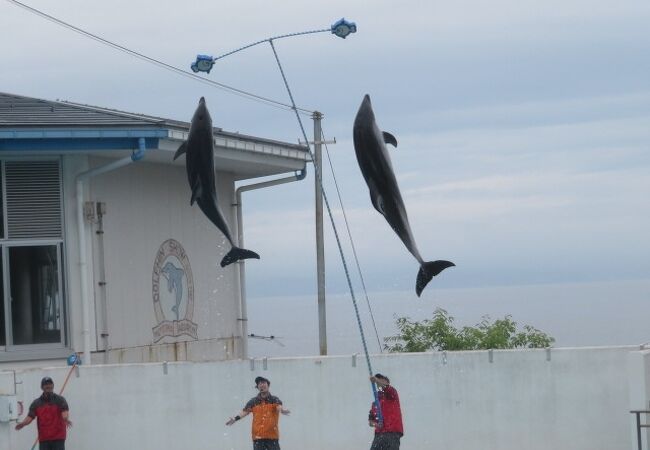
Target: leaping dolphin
x,y
199,162
374,161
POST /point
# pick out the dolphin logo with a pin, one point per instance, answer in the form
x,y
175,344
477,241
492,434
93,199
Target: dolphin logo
x,y
374,162
174,277
199,162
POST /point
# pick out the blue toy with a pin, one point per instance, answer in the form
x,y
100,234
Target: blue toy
x,y
342,28
203,63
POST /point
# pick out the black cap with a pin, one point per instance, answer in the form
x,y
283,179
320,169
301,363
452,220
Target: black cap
x,y
383,377
259,380
46,380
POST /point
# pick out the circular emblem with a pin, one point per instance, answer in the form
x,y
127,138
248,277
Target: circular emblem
x,y
173,292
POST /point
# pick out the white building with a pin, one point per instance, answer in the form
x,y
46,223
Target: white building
x,y
100,248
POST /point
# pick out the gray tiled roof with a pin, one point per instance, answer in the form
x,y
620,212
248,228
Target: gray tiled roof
x,y
19,111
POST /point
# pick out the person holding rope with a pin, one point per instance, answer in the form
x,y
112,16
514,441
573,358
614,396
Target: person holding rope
x,y
266,409
51,412
388,433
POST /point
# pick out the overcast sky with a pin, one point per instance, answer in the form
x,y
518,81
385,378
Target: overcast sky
x,y
523,126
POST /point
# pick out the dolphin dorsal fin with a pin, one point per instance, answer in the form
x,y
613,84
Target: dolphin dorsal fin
x,y
389,138
182,149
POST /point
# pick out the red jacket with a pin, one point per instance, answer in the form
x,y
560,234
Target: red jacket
x,y
47,412
390,410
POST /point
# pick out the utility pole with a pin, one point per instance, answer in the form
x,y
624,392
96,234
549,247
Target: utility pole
x,y
320,247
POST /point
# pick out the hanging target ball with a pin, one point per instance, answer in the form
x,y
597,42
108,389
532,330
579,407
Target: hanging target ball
x,y
342,28
203,63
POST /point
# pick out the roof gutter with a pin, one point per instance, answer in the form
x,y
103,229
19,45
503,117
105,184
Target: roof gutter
x,y
243,314
137,155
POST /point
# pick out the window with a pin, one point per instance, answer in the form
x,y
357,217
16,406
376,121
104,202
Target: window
x,y
31,249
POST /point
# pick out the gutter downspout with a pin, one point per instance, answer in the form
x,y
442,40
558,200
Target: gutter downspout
x,y
243,315
81,229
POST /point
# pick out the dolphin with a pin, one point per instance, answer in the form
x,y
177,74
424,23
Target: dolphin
x,y
174,277
199,162
374,162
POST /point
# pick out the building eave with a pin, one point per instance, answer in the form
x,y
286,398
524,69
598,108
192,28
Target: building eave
x,y
244,156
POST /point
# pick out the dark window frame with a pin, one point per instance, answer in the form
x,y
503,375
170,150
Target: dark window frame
x,y
10,351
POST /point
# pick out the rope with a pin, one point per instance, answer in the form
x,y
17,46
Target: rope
x,y
354,250
336,235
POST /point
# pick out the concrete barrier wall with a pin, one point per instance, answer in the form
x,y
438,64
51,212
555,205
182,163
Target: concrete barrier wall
x,y
569,399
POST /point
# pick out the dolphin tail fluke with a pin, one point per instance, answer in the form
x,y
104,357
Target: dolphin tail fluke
x,y
236,253
429,270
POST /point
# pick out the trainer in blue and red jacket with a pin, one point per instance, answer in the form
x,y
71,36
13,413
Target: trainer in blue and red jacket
x,y
388,433
51,412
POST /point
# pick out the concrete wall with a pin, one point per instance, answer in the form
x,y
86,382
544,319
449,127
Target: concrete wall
x,y
567,399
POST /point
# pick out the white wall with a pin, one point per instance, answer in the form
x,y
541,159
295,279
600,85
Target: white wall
x,y
579,399
146,205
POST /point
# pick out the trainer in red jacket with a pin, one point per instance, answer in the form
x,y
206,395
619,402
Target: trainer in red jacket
x,y
51,412
388,433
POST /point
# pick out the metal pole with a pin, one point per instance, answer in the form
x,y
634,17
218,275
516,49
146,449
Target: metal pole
x,y
638,428
243,315
320,250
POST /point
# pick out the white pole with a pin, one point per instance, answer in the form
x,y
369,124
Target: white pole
x,y
320,247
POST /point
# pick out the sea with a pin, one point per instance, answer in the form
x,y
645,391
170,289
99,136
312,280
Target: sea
x,y
574,314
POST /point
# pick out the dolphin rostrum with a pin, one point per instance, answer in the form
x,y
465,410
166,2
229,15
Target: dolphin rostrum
x,y
199,162
374,161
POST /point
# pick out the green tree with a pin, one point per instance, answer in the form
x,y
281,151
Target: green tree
x,y
439,333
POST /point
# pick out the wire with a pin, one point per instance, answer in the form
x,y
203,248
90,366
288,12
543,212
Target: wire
x,y
354,250
156,62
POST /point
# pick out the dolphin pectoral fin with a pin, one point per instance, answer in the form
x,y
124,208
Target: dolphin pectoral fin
x,y
429,270
197,191
378,203
182,149
389,138
376,198
235,254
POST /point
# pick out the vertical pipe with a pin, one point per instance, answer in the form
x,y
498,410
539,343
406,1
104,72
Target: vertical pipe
x,y
320,248
85,309
81,230
101,283
243,313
